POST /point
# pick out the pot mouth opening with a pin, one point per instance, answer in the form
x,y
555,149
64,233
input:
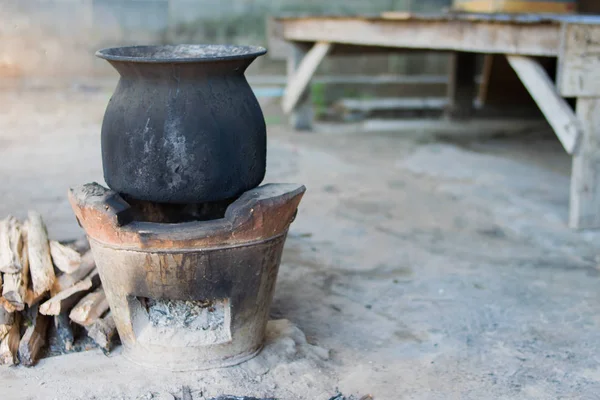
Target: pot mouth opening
x,y
180,53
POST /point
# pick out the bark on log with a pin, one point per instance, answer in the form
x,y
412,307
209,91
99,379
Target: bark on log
x,y
90,308
103,332
4,329
65,300
40,261
11,246
34,339
64,258
65,281
64,330
9,346
32,299
14,289
7,319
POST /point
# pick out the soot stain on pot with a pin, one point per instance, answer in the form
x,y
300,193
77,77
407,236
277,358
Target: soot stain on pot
x,y
205,140
178,156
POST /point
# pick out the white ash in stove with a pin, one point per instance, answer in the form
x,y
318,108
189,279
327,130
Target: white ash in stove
x,y
189,314
182,323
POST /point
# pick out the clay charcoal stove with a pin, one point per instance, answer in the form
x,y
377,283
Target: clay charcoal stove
x,y
186,242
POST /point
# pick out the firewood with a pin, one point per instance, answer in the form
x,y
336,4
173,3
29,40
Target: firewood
x,y
4,329
10,344
65,281
7,305
64,258
65,300
34,339
40,261
11,244
81,245
103,332
14,289
64,330
7,319
32,299
90,308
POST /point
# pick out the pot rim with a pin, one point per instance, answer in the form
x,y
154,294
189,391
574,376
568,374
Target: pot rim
x,y
213,52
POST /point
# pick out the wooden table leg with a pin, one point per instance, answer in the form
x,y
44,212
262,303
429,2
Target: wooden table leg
x,y
462,88
302,116
585,175
302,65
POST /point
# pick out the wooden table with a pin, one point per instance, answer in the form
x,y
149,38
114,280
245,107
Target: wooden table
x,y
574,40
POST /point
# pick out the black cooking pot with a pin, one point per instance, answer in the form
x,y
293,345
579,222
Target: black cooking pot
x,y
183,125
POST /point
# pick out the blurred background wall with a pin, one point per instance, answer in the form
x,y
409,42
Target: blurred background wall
x,y
53,41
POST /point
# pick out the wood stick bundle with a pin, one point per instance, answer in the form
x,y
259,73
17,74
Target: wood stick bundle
x,y
38,249
11,245
45,283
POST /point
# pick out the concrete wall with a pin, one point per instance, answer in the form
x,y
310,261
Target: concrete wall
x,y
56,39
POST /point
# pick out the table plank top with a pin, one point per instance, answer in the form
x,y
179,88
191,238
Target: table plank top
x,y
455,16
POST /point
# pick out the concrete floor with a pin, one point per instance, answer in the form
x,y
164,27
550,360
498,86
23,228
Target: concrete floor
x,y
429,269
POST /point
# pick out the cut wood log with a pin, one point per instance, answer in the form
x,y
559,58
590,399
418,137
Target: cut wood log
x,y
32,299
40,261
34,339
64,330
4,329
14,288
103,332
65,300
9,346
81,245
7,305
90,308
65,281
11,245
64,258
14,291
7,319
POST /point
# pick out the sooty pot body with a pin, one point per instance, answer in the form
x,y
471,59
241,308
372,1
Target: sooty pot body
x,y
183,125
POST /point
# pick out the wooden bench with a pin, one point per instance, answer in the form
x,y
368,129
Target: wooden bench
x,y
573,40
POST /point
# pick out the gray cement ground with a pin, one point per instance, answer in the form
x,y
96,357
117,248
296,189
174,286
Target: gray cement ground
x,y
416,269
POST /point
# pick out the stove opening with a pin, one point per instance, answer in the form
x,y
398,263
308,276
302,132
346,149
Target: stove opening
x,y
146,211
